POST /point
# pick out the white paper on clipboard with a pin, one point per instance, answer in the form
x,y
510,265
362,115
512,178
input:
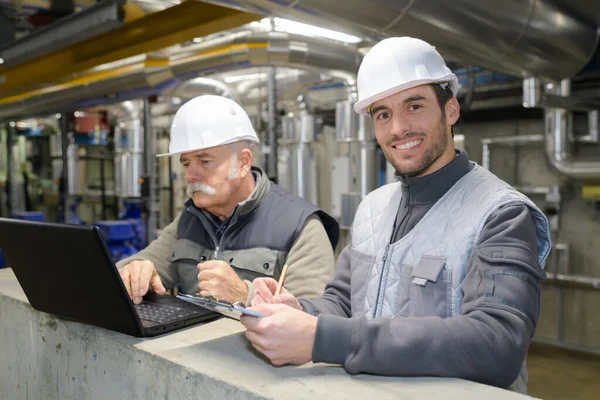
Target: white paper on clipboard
x,y
232,310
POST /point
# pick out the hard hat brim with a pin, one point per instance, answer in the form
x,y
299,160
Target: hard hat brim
x,y
360,107
249,138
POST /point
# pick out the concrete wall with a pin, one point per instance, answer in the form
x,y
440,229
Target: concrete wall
x,y
579,224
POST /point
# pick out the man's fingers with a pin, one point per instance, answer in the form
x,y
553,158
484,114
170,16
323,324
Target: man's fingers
x,y
205,275
134,269
257,299
265,287
210,264
126,278
251,323
146,273
268,309
157,285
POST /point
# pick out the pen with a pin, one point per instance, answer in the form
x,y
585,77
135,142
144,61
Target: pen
x,y
281,278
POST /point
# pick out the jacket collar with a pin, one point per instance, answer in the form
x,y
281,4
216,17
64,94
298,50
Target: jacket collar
x,y
430,188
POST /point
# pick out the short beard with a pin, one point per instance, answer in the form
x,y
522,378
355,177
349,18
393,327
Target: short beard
x,y
432,155
199,187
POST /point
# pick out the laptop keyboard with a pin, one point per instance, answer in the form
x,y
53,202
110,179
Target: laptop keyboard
x,y
161,313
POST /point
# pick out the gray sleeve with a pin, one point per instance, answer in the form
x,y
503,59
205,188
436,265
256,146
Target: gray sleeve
x,y
336,298
486,343
160,252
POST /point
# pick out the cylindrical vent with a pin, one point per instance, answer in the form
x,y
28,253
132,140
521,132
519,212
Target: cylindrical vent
x,y
350,202
128,169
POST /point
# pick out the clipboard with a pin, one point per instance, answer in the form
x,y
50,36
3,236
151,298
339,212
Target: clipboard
x,y
232,310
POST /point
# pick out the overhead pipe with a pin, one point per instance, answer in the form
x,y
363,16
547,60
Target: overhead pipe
x,y
198,86
279,49
234,52
559,128
119,84
541,38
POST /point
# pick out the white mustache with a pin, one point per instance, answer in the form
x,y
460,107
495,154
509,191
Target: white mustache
x,y
199,187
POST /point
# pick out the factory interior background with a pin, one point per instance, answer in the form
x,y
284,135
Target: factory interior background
x,y
88,91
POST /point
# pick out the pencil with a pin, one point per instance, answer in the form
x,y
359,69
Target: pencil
x,y
281,278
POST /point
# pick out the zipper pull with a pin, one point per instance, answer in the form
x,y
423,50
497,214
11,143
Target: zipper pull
x,y
216,255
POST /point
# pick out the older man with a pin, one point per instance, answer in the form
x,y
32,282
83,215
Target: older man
x,y
237,225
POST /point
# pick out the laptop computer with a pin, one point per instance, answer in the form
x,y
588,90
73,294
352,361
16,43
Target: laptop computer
x,y
67,270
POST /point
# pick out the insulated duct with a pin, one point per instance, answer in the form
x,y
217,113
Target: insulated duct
x,y
558,124
125,83
129,148
559,128
228,53
278,49
198,86
544,38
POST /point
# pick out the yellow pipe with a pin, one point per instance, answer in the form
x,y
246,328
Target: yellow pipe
x,y
93,77
152,32
134,67
222,50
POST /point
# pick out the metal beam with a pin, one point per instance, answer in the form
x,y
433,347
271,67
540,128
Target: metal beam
x,y
95,20
152,32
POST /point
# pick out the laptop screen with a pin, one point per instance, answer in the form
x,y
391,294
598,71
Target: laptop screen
x,y
66,270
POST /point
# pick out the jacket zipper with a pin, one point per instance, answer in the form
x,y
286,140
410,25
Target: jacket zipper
x,y
406,197
385,255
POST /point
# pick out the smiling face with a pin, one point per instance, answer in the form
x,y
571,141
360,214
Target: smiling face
x,y
414,132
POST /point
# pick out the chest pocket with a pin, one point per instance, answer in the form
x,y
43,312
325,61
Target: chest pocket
x,y
361,269
186,256
253,263
426,289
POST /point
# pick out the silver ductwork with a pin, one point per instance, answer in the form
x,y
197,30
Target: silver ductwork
x,y
247,49
296,163
542,38
74,182
558,123
289,86
229,53
67,97
355,133
129,149
199,86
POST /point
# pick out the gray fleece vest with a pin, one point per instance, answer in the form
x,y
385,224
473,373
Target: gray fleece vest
x,y
255,244
421,274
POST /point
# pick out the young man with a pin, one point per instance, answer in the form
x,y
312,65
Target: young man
x,y
237,225
441,275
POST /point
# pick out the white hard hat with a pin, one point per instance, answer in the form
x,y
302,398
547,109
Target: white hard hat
x,y
396,64
209,121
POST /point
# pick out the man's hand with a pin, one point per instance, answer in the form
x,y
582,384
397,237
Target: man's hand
x,y
263,293
139,276
218,279
284,335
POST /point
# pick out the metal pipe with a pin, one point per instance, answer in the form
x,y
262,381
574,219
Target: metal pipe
x,y
229,53
513,140
559,125
485,155
592,135
576,281
9,169
272,123
129,148
64,142
150,153
518,37
198,86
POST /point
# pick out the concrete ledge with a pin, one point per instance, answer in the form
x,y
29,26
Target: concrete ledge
x,y
44,357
